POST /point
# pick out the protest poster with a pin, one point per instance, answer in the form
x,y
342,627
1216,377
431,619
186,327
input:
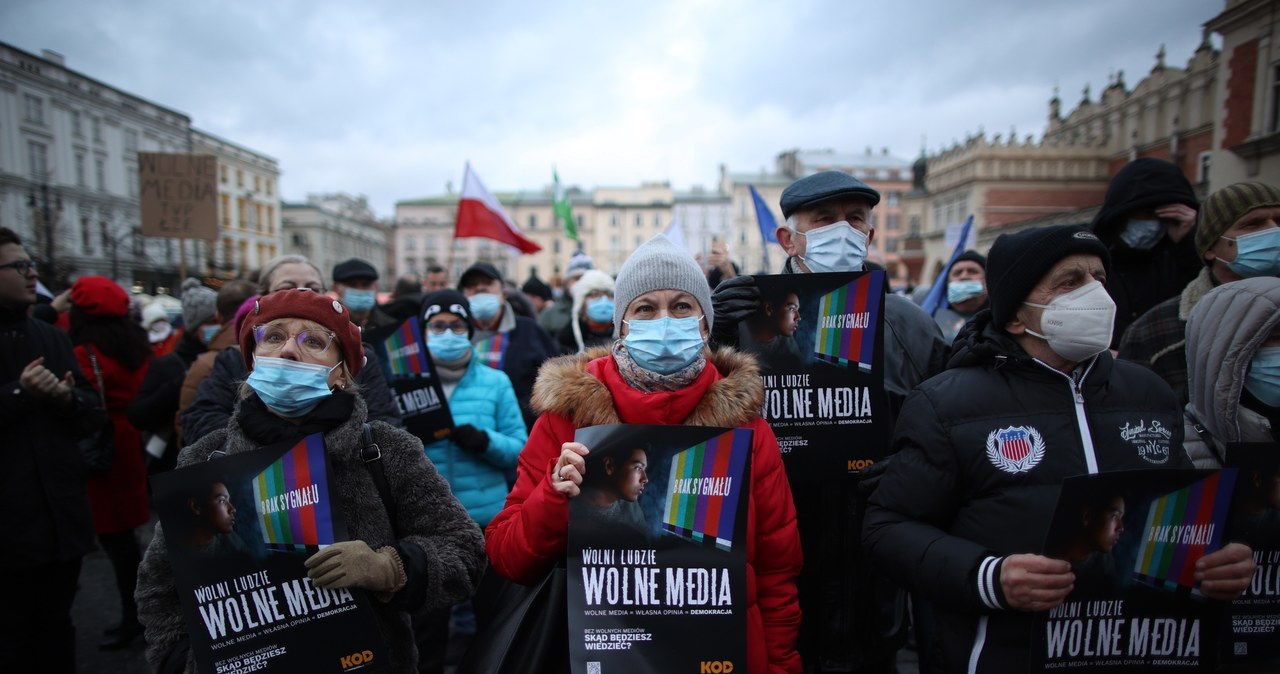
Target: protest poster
x,y
819,339
1133,538
238,530
412,377
178,195
657,550
1253,636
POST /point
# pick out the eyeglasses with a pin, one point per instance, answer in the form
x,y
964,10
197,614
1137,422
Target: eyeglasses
x,y
23,267
438,328
314,343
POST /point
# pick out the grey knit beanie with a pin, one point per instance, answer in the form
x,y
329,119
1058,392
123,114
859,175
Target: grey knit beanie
x,y
660,265
199,304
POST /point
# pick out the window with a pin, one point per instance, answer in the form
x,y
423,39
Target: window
x,y
76,129
533,221
80,169
613,219
34,109
222,174
130,140
100,173
410,242
892,221
271,185
657,220
97,129
257,183
1275,100
891,199
86,235
271,221
579,224
132,178
1202,167
257,216
555,246
104,239
38,160
239,178
242,213
637,220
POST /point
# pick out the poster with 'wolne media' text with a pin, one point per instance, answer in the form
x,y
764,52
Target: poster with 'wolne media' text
x,y
819,339
657,550
1133,538
238,530
1253,636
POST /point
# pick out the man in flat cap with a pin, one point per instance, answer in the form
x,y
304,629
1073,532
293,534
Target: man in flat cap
x,y
852,621
504,339
355,282
957,518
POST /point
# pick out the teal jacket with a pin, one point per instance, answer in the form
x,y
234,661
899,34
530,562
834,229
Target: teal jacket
x,y
485,399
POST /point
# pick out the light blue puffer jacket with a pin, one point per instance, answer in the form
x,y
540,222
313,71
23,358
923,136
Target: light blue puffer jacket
x,y
485,399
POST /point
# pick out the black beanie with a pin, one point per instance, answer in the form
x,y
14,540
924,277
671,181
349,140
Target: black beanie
x,y
1142,183
450,301
971,256
1017,262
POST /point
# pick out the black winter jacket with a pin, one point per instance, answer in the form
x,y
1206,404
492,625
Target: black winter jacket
x,y
220,390
46,515
980,453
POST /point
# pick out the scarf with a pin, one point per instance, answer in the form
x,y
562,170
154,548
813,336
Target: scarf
x,y
651,382
263,428
452,370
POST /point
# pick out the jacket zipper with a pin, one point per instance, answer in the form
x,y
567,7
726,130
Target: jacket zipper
x,y
1082,423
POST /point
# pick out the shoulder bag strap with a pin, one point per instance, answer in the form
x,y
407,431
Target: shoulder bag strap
x,y
97,374
372,455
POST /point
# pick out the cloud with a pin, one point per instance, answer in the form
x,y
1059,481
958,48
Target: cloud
x,y
390,98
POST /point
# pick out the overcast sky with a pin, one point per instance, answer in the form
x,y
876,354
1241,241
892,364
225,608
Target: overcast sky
x,y
389,99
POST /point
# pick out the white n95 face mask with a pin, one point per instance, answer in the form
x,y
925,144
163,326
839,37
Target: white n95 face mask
x,y
1078,325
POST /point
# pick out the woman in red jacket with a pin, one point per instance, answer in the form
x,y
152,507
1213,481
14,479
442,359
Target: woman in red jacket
x,y
658,372
100,326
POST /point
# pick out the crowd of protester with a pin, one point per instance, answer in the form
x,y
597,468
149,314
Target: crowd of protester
x,y
1163,308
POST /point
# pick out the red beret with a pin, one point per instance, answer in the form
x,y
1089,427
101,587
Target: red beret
x,y
100,296
312,306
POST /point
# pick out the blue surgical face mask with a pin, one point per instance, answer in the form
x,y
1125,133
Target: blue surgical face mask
x,y
666,344
484,306
1257,254
834,247
600,310
359,300
289,388
1263,379
208,331
960,291
449,346
1142,234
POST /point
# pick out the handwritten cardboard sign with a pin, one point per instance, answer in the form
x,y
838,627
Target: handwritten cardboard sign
x,y
179,194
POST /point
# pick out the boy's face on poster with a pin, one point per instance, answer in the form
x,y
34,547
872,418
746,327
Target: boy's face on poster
x,y
1108,524
217,511
629,476
789,315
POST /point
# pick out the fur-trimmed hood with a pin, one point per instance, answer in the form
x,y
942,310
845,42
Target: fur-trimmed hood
x,y
588,390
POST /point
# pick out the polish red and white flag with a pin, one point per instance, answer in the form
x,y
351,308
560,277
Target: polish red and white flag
x,y
480,214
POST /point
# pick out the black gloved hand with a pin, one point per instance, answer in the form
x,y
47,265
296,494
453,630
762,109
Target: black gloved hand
x,y
733,300
470,438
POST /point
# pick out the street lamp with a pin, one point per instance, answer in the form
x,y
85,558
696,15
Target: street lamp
x,y
46,212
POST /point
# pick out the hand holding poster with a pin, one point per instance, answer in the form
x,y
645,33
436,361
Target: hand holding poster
x,y
819,339
657,550
1133,539
238,530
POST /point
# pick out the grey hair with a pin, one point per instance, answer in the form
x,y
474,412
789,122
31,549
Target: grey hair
x,y
264,276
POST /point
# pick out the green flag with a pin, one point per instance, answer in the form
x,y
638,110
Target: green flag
x,y
560,204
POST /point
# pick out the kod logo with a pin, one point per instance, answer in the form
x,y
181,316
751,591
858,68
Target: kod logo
x,y
715,667
355,660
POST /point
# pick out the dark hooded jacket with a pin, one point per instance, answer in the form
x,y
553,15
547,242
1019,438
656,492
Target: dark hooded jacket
x,y
1141,279
959,433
